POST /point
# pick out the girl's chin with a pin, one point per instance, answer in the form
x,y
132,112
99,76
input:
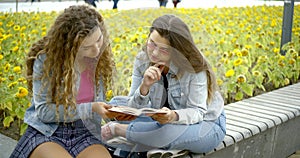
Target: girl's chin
x,y
96,55
154,60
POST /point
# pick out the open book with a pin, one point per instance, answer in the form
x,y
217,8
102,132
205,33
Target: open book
x,y
136,112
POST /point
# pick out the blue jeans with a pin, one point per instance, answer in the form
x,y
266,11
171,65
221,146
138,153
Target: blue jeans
x,y
148,134
115,6
163,3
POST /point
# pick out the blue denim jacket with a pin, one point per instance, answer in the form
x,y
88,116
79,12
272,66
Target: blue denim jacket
x,y
187,96
42,116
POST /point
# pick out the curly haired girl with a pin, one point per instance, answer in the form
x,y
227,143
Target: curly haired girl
x,y
68,72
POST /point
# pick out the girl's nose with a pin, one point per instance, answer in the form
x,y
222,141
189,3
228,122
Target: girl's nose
x,y
156,51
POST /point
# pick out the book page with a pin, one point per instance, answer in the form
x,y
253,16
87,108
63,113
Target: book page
x,y
136,112
126,110
152,111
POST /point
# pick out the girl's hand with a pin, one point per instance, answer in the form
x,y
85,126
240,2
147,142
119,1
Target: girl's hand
x,y
169,117
151,75
102,109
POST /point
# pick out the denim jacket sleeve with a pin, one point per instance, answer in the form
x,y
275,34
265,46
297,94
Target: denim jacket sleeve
x,y
136,99
47,112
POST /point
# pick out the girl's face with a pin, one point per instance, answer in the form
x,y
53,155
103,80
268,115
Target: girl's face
x,y
91,45
158,49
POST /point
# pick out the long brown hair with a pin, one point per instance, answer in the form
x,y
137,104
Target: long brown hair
x,y
61,45
185,54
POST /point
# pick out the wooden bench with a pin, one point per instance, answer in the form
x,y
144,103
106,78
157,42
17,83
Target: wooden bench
x,y
267,125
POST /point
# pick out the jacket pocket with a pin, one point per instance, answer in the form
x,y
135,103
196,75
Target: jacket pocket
x,y
175,96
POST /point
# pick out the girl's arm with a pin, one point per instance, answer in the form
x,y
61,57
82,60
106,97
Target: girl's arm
x,y
138,100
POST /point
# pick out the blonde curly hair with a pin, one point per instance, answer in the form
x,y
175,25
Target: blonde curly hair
x,y
61,45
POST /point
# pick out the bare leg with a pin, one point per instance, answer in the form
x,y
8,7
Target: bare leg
x,y
50,150
94,151
120,129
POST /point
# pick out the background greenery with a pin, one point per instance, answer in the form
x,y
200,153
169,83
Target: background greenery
x,y
242,43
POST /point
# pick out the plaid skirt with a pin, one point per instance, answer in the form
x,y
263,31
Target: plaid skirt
x,y
74,137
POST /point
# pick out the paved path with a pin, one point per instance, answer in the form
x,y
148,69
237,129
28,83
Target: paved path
x,y
6,146
128,4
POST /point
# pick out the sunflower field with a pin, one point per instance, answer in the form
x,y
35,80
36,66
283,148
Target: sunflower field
x,y
241,43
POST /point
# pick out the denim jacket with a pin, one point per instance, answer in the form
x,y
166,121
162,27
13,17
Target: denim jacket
x,y
187,95
42,116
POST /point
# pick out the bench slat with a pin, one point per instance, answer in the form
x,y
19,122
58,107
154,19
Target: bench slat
x,y
228,140
271,108
220,146
246,133
252,128
293,88
275,115
281,100
262,126
278,106
275,120
236,136
290,95
284,102
293,92
264,123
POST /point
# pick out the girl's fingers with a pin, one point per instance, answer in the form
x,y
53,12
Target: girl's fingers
x,y
152,74
160,66
107,106
165,108
157,71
